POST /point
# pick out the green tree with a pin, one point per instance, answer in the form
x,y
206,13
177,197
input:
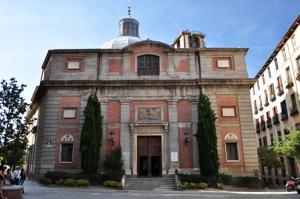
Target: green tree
x,y
91,135
268,158
291,145
113,164
14,127
206,137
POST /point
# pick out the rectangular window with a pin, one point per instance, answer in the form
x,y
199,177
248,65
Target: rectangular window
x,y
255,107
263,78
276,63
260,143
228,111
293,42
288,75
265,142
69,113
269,72
258,84
279,136
298,63
260,103
280,86
66,152
232,151
272,92
148,65
293,99
253,89
283,171
284,54
284,115
272,139
266,98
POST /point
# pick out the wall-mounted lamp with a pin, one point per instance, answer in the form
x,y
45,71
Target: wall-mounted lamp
x,y
111,139
186,137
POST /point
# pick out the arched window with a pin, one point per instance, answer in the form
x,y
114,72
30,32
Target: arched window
x,y
231,147
148,65
66,148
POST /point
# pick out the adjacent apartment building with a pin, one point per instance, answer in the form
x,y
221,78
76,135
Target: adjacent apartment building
x,y
148,92
275,101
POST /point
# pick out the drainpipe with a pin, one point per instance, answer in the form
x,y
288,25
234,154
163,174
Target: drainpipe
x,y
99,62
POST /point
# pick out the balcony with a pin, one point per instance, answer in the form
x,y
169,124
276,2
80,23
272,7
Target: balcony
x,y
269,123
275,119
280,92
273,97
261,108
255,111
263,125
294,111
284,116
266,103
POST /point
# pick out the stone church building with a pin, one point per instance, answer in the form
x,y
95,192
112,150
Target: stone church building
x,y
148,92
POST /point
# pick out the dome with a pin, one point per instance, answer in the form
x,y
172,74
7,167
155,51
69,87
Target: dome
x,y
128,34
120,42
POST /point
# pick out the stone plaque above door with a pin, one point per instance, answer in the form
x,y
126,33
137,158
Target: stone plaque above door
x,y
149,114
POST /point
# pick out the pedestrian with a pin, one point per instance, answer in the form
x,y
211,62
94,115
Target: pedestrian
x,y
2,178
8,176
16,175
23,176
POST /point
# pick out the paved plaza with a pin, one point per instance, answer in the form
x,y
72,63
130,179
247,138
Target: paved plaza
x,y
34,191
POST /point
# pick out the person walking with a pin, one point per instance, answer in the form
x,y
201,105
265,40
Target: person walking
x,y
16,175
23,178
2,178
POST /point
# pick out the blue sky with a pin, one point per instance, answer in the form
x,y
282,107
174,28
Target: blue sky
x,y
28,28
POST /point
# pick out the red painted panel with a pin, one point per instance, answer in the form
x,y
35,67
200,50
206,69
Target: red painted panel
x,y
227,101
116,139
76,161
115,65
72,102
113,111
184,111
183,66
185,149
223,132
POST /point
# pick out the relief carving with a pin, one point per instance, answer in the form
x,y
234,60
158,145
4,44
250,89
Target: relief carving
x,y
149,114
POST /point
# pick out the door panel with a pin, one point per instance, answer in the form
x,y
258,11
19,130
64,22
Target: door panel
x,y
149,155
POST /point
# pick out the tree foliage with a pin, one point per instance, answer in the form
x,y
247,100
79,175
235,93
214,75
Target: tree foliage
x,y
14,127
113,163
206,137
291,145
268,158
91,135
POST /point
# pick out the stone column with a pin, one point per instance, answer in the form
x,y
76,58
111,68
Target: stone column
x,y
103,104
194,131
125,135
173,135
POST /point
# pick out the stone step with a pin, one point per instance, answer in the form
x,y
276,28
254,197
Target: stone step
x,y
148,183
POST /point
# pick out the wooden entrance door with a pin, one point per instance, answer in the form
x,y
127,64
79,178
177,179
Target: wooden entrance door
x,y
149,155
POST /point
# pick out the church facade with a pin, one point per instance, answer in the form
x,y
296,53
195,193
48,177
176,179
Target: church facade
x,y
148,92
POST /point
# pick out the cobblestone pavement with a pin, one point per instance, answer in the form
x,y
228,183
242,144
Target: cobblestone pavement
x,y
34,191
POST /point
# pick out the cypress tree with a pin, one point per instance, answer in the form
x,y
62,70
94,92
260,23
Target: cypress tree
x,y
206,137
91,135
